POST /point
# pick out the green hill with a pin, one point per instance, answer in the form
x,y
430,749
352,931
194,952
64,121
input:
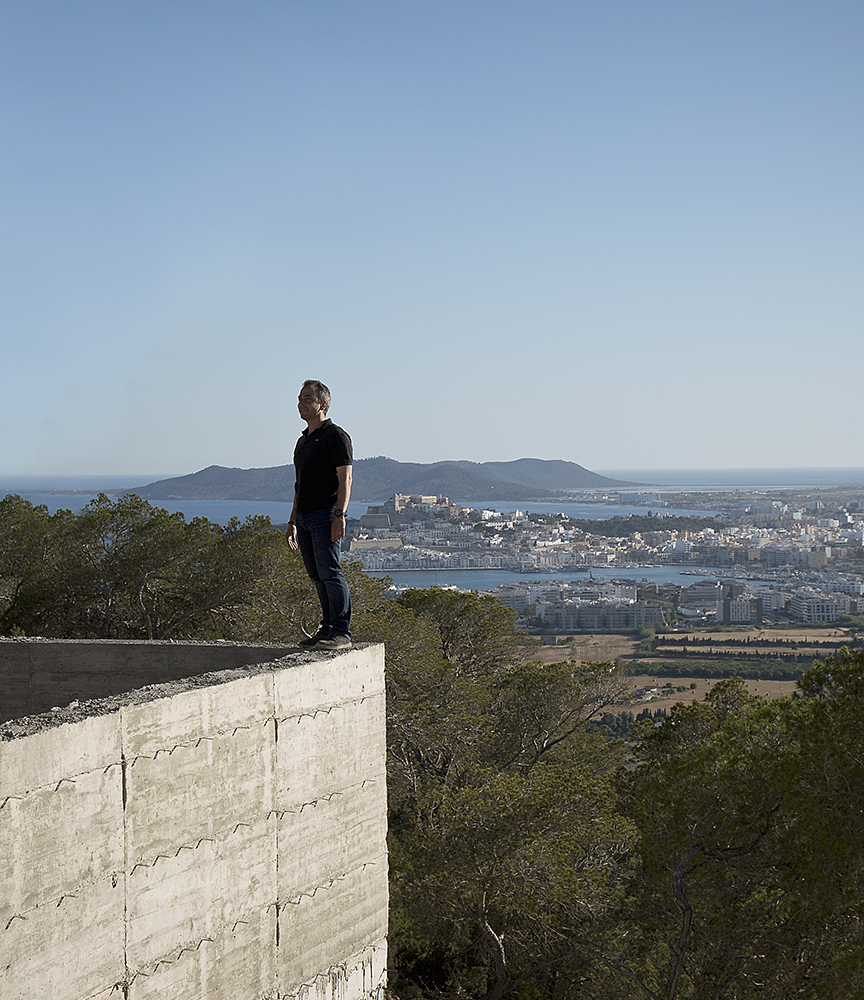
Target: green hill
x,y
379,478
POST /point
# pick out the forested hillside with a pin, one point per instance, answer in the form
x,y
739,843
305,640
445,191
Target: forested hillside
x,y
717,854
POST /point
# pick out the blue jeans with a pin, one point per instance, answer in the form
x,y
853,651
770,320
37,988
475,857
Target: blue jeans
x,y
322,559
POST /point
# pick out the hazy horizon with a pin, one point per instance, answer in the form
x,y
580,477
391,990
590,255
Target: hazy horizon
x,y
740,476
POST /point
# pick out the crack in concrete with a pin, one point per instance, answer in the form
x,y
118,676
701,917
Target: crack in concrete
x,y
324,886
150,968
170,961
279,813
71,894
323,798
215,735
182,847
52,787
331,708
150,862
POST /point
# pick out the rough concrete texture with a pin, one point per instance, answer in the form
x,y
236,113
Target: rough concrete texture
x,y
216,838
39,675
358,976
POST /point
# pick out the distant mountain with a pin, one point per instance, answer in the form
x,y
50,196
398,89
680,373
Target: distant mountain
x,y
547,475
524,479
218,483
379,478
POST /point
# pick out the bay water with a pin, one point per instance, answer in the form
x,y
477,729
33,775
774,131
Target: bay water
x,y
221,511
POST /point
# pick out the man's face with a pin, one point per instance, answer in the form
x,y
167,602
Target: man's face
x,y
307,403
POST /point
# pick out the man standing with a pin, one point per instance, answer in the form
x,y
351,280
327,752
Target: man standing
x,y
322,463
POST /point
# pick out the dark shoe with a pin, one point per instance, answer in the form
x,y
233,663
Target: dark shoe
x,y
335,641
322,633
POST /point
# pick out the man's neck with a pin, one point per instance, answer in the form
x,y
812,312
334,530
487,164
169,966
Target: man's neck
x,y
315,423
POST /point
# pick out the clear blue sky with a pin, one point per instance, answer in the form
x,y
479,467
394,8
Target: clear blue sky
x,y
626,234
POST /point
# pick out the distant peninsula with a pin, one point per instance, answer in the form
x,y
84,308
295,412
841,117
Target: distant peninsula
x,y
379,478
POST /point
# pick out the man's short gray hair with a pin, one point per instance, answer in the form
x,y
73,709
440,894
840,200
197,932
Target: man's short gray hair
x,y
321,391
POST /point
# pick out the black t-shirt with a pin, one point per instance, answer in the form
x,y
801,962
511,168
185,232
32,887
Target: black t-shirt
x,y
317,456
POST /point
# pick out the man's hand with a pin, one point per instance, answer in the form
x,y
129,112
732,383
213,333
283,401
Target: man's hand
x,y
291,537
337,529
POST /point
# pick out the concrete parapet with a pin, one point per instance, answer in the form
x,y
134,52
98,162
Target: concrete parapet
x,y
216,838
38,674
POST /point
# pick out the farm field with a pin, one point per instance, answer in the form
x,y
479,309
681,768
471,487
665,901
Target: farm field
x,y
666,699
588,648
758,642
747,645
804,633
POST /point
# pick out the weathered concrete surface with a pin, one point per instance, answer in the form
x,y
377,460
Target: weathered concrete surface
x,y
359,976
218,838
37,675
67,949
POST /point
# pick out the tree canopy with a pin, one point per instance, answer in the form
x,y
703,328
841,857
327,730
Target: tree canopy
x,y
126,570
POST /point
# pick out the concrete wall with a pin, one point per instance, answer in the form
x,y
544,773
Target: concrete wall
x,y
221,837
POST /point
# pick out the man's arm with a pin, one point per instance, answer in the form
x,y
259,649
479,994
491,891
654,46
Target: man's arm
x,y
291,533
343,495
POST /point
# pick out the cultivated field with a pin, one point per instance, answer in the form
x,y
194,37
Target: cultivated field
x,y
667,698
762,643
587,649
758,642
